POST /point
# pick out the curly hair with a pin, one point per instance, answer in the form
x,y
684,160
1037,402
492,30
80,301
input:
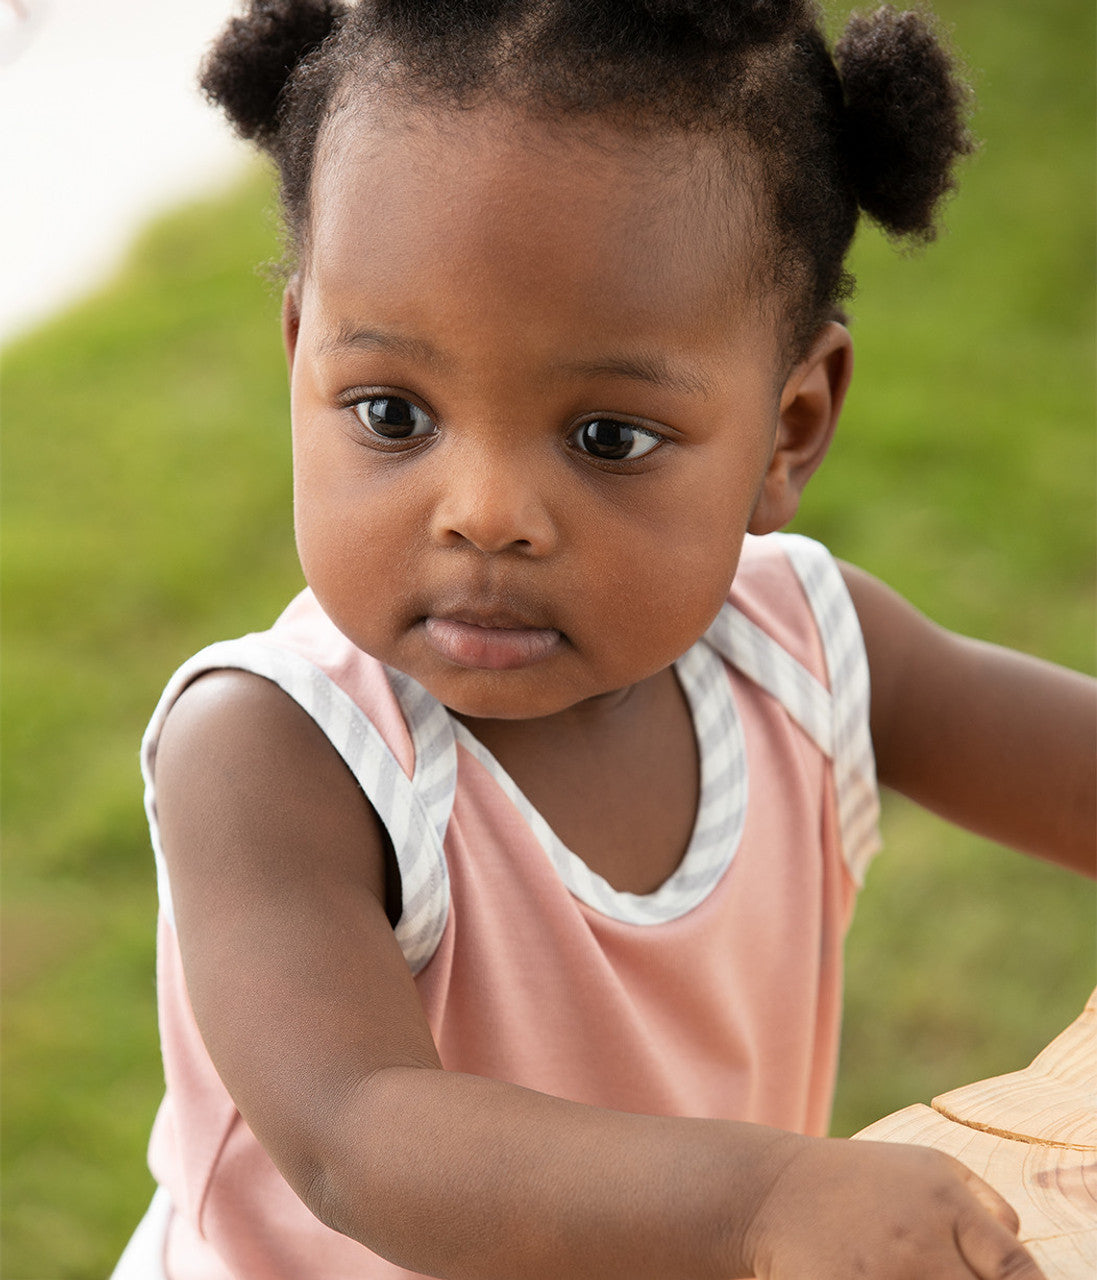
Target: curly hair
x,y
874,126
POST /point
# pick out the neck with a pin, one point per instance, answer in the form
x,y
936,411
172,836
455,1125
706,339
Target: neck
x,y
607,712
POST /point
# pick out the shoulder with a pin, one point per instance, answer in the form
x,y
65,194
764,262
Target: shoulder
x,y
245,781
296,730
224,709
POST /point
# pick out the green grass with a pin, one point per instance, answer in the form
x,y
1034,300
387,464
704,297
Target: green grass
x,y
147,511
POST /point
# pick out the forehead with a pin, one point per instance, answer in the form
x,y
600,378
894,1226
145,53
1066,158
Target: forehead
x,y
578,223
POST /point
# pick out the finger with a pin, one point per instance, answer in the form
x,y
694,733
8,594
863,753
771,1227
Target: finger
x,y
995,1204
992,1252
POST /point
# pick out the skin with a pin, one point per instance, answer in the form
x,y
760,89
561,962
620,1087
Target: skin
x,y
514,283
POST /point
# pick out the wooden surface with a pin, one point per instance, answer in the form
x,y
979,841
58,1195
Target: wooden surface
x,y
1032,1135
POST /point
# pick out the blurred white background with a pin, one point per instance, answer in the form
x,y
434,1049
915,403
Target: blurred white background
x,y
101,126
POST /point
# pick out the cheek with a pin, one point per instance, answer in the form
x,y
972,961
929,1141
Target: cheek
x,y
352,539
662,575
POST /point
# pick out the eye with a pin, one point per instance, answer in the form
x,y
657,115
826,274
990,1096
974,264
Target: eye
x,y
393,418
613,441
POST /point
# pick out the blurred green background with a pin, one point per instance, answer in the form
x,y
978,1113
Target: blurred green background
x,y
146,510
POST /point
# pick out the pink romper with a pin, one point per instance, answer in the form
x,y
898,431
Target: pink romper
x,y
718,994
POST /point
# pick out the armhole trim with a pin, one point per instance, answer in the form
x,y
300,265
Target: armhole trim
x,y
848,677
415,825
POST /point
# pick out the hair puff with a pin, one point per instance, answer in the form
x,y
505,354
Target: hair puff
x,y
904,121
247,70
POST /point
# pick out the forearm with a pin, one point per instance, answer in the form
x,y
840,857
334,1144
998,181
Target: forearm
x,y
459,1176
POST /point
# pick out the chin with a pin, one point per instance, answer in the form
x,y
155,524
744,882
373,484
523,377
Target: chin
x,y
506,695
501,705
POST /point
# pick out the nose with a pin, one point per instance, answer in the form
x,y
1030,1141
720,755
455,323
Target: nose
x,y
494,503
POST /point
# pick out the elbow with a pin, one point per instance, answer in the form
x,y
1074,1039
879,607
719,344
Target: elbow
x,y
318,1193
356,1179
332,1180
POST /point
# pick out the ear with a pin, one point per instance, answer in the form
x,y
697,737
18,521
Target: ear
x,y
811,401
291,319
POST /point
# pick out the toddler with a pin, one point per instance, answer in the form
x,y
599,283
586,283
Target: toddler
x,y
504,880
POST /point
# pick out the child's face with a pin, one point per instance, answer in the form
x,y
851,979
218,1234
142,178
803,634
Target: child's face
x,y
479,292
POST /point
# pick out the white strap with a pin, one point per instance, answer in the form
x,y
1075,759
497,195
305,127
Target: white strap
x,y
848,677
835,716
760,658
416,830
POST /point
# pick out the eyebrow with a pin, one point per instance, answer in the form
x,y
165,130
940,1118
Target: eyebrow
x,y
347,337
652,369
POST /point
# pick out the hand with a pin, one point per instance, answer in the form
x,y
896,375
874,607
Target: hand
x,y
883,1211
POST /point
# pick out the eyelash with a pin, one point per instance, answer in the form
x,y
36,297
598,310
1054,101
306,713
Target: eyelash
x,y
361,408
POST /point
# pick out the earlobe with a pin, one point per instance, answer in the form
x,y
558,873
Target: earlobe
x,y
291,320
811,402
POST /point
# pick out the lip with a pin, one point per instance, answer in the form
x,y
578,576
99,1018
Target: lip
x,y
490,640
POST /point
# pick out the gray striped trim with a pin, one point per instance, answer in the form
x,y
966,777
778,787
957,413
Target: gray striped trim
x,y
416,829
847,670
760,658
721,810
435,775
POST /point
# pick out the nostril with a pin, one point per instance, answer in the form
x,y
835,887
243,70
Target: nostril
x,y
512,521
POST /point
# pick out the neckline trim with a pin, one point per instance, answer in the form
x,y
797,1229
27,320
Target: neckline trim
x,y
721,808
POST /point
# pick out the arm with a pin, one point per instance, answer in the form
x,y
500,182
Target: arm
x,y
998,742
276,865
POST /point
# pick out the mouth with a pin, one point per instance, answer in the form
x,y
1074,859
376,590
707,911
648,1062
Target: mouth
x,y
490,640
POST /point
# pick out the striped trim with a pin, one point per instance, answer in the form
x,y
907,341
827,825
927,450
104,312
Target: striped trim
x,y
721,809
435,775
848,675
415,828
760,658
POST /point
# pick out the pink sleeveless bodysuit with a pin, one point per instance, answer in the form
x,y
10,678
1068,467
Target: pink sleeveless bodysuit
x,y
716,995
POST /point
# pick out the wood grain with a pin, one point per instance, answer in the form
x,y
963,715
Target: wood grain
x,y
1032,1135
